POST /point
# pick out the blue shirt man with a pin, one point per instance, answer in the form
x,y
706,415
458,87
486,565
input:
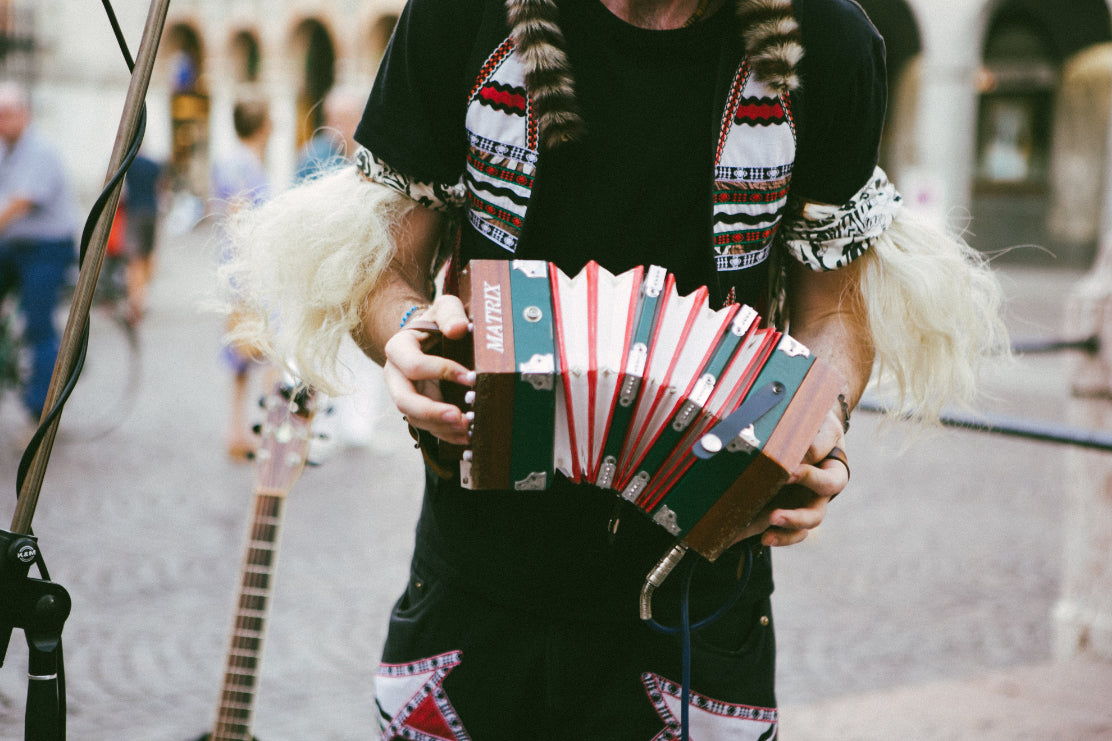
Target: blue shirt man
x,y
37,226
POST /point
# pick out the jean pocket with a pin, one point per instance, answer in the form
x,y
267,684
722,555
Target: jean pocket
x,y
738,630
419,592
734,658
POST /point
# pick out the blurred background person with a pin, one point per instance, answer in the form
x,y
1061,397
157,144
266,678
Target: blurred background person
x,y
38,223
239,178
143,185
333,143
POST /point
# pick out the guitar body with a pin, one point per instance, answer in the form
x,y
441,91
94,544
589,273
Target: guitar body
x,y
279,461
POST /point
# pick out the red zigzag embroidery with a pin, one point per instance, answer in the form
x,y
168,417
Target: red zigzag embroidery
x,y
760,112
507,98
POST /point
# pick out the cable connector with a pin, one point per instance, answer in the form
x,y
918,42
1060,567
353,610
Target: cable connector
x,y
657,576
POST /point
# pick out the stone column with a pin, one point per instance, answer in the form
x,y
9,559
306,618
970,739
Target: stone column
x,y
1083,615
938,182
282,150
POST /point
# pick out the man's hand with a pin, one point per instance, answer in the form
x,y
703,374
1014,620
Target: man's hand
x,y
413,376
800,506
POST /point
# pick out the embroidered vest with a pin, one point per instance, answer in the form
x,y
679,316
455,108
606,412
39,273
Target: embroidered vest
x,y
751,174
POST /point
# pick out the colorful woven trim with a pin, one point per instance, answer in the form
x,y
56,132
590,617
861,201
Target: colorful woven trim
x,y
826,237
438,196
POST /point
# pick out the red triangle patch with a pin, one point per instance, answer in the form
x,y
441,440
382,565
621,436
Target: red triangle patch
x,y
427,718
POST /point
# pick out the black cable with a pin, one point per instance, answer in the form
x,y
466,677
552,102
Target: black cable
x,y
743,581
686,628
120,40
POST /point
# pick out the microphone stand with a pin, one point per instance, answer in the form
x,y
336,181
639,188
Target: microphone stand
x,y
38,606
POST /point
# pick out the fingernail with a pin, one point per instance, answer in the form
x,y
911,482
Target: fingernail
x,y
468,378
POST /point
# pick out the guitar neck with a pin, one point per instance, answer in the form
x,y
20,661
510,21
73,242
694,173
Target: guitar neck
x,y
280,460
237,694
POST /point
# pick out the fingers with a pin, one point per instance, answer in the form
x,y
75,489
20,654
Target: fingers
x,y
412,374
831,434
819,472
407,352
791,515
449,315
826,479
800,506
789,524
419,402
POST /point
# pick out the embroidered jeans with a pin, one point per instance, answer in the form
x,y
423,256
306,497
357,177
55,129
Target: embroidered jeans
x,y
457,666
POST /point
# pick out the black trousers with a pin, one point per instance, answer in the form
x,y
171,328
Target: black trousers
x,y
459,666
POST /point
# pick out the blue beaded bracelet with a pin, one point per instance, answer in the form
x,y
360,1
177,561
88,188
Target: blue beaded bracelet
x,y
412,309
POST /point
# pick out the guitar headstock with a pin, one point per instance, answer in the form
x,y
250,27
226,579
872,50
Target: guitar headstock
x,y
284,437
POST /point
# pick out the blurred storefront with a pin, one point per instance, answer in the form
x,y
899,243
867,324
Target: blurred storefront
x,y
998,119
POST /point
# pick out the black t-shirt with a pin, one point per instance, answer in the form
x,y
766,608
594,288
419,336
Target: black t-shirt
x,y
637,185
634,191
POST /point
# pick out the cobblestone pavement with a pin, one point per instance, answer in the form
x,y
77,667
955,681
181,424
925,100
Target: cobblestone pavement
x,y
940,563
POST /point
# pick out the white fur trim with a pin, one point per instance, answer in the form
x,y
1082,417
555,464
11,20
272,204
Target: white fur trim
x,y
933,307
303,263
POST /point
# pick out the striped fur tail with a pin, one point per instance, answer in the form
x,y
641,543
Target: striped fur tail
x,y
772,41
540,43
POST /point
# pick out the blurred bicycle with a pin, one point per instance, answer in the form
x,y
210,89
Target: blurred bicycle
x,y
106,390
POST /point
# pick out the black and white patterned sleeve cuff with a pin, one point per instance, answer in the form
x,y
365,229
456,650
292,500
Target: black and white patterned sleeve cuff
x,y
437,196
824,237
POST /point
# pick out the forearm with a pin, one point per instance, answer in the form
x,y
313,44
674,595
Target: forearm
x,y
827,315
406,283
14,210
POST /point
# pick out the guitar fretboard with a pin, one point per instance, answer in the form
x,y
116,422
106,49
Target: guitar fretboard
x,y
280,459
237,696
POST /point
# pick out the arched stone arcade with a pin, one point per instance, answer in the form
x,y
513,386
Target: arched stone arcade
x,y
293,54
